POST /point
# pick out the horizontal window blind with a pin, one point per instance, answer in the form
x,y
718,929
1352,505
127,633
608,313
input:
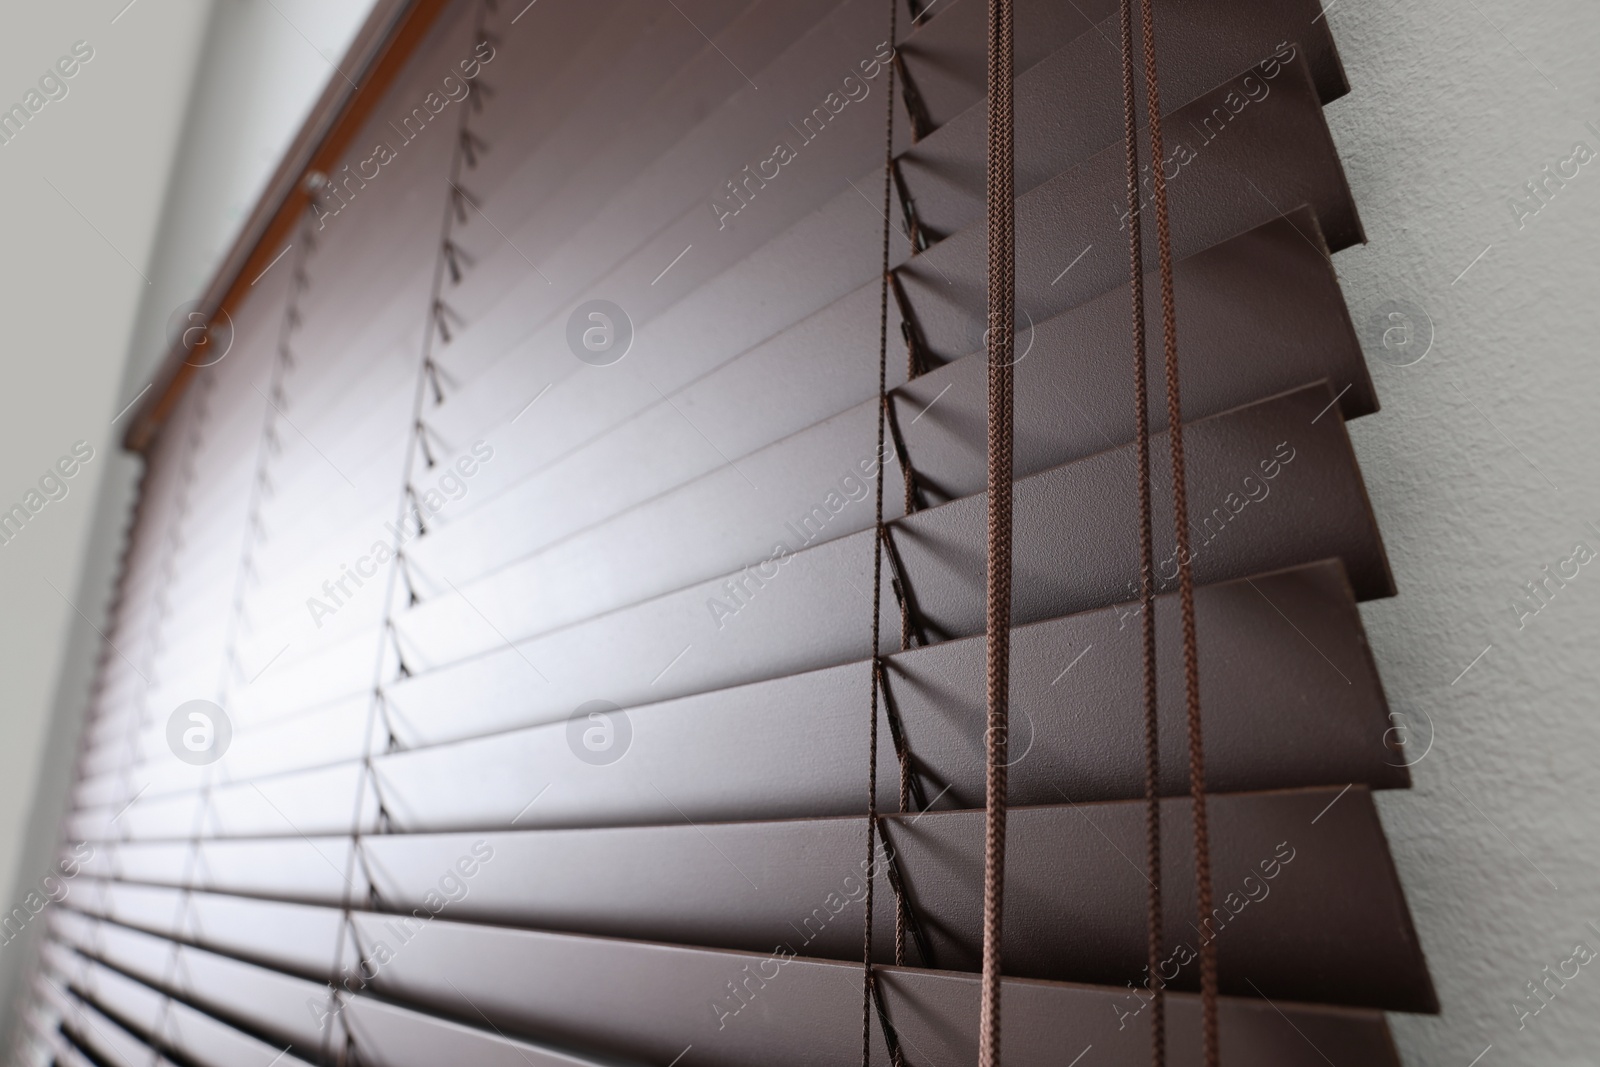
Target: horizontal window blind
x,y
539,662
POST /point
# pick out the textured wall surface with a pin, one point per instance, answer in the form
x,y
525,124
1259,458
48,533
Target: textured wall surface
x,y
1482,469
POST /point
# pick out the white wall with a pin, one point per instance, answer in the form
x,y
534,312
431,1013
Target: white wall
x,y
264,65
156,154
82,186
1481,468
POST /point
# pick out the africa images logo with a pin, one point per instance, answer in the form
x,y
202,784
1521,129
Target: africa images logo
x,y
599,733
599,332
199,732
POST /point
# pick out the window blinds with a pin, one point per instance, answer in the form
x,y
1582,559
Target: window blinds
x,y
547,667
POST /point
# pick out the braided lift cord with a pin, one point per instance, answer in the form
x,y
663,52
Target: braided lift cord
x,y
198,425
1002,298
1147,596
907,484
868,978
1180,522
